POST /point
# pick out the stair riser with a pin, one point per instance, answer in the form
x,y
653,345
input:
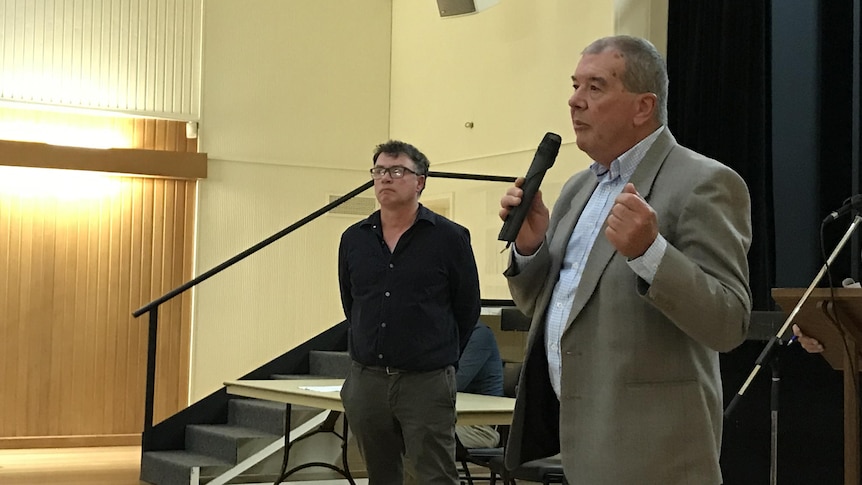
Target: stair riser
x,y
329,363
266,416
227,448
163,472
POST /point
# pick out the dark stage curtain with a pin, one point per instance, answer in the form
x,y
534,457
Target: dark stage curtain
x,y
719,62
719,58
719,105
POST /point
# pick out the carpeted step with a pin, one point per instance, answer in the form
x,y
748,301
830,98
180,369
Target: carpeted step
x,y
266,416
174,467
226,442
333,363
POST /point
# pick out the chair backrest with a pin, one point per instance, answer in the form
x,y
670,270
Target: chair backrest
x,y
511,375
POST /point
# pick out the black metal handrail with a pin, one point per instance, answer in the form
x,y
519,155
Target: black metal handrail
x,y
153,307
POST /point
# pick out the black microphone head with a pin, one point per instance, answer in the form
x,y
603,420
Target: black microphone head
x,y
542,161
550,146
851,203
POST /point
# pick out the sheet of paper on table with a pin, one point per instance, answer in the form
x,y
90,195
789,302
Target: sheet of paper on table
x,y
322,388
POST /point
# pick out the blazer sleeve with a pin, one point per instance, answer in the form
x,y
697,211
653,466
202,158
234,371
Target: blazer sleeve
x,y
701,284
526,281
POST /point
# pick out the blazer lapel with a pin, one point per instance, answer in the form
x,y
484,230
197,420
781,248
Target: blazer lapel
x,y
645,174
602,251
560,239
599,258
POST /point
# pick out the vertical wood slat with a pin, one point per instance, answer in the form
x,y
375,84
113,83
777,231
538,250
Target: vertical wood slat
x,y
136,56
72,358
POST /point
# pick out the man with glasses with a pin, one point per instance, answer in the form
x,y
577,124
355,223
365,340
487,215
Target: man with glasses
x,y
410,292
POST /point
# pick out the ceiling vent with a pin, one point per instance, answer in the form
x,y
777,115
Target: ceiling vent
x,y
455,8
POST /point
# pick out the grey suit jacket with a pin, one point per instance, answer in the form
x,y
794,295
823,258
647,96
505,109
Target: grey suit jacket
x,y
641,398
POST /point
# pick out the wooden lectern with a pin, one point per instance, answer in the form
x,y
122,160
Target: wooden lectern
x,y
813,319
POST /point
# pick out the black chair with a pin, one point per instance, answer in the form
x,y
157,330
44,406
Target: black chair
x,y
544,470
482,456
475,456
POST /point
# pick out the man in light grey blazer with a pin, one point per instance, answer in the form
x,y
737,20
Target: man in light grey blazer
x,y
635,282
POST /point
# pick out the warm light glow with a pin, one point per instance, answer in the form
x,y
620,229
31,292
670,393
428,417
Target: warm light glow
x,y
66,185
65,135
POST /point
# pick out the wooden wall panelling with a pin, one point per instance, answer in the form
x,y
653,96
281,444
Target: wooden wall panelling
x,y
72,358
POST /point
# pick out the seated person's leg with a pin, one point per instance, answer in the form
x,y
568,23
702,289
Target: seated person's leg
x,y
478,436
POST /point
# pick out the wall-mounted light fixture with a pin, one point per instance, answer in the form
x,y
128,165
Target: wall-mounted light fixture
x,y
191,130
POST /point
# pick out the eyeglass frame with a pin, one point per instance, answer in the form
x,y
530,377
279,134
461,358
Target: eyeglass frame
x,y
377,173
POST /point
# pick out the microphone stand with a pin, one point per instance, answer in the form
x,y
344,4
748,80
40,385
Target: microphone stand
x,y
768,353
773,415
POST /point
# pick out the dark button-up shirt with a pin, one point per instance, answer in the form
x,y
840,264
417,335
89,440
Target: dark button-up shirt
x,y
413,308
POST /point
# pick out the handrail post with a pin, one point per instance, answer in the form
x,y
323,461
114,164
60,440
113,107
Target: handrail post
x,y
151,378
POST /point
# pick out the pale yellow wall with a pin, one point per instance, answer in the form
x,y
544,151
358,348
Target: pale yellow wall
x,y
507,70
643,18
293,85
288,86
295,82
281,296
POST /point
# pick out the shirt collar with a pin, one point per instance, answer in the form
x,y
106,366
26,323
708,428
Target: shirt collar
x,y
626,163
423,214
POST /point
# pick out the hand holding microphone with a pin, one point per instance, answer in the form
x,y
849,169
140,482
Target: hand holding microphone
x,y
535,223
520,203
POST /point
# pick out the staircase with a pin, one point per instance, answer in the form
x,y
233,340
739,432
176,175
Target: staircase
x,y
248,426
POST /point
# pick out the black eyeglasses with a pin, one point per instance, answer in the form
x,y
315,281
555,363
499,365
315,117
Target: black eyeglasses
x,y
395,172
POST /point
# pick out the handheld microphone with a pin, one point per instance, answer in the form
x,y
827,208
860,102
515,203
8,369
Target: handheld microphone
x,y
854,203
542,161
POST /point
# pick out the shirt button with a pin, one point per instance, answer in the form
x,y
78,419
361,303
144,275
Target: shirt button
x,y
559,305
379,356
387,293
383,324
391,265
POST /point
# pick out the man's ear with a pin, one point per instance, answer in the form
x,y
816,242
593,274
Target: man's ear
x,y
420,183
645,108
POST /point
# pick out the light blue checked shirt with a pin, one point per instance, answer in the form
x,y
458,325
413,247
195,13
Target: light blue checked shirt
x,y
611,183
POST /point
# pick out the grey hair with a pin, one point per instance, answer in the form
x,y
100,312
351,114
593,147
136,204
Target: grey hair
x,y
646,70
